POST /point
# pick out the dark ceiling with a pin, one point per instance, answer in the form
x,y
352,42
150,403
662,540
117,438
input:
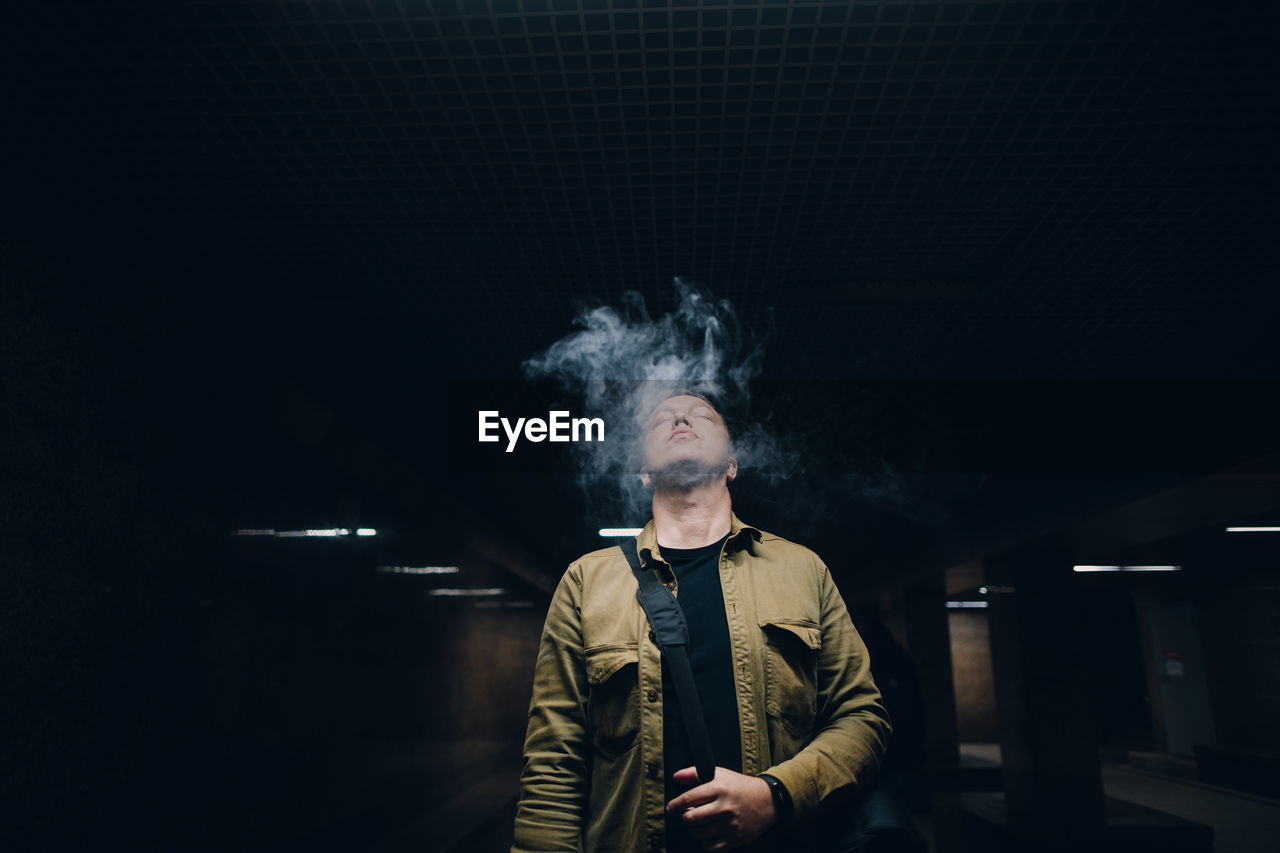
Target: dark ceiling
x,y
289,232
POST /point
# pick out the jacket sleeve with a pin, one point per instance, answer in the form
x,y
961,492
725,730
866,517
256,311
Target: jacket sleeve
x,y
553,784
851,729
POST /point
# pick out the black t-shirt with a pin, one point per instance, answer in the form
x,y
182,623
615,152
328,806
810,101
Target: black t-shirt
x,y
698,572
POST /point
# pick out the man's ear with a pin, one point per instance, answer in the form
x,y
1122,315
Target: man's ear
x,y
733,469
645,478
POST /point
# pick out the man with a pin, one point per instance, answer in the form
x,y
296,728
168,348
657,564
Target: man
x,y
795,719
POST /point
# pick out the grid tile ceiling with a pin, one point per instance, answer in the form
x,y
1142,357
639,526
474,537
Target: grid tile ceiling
x,y
915,188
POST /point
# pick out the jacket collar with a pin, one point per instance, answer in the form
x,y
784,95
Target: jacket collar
x,y
740,536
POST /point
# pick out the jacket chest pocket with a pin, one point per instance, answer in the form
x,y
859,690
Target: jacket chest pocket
x,y
613,700
791,688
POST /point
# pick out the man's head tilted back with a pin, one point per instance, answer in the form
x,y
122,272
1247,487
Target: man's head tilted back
x,y
686,445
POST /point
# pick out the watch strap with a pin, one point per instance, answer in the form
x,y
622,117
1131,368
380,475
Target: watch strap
x,y
781,799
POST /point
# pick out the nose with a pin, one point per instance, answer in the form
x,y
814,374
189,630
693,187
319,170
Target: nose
x,y
680,418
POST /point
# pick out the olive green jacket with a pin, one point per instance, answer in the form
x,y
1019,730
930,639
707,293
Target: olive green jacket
x,y
808,711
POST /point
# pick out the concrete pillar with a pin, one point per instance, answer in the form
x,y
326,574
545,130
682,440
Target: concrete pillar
x,y
929,641
1043,697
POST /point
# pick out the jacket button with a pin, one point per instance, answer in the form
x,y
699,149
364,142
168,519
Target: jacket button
x,y
652,696
653,638
670,585
651,769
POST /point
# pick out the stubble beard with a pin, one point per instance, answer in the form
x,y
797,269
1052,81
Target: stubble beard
x,y
685,475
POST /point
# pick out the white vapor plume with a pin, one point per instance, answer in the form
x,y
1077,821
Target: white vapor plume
x,y
624,362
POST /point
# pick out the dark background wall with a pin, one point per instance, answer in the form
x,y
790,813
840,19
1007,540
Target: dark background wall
x,y
1239,621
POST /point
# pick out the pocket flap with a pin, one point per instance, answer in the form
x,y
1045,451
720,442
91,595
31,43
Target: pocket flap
x,y
808,632
604,661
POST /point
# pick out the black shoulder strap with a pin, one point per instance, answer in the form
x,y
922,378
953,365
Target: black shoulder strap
x,y
672,633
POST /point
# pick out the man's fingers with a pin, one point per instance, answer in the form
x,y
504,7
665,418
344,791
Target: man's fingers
x,y
686,776
707,815
715,827
689,776
701,795
698,796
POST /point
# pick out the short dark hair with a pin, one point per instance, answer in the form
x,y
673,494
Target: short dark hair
x,y
693,392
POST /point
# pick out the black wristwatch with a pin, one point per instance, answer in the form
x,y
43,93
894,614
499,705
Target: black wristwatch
x,y
781,799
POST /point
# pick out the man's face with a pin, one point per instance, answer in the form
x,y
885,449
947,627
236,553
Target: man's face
x,y
686,434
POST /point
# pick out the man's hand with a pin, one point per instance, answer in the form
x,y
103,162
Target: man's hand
x,y
726,812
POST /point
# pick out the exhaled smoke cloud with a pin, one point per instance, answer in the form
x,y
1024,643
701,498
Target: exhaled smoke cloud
x,y
624,362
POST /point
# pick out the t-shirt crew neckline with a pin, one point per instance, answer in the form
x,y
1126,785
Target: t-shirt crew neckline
x,y
684,554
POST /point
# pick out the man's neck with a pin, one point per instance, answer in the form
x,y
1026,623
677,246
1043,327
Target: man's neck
x,y
693,518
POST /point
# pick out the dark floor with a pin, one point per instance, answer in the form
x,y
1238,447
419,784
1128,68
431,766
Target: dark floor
x,y
482,813
1242,823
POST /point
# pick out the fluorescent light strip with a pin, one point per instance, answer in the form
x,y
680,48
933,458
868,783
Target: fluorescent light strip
x,y
419,570
1253,529
966,605
1127,568
323,532
620,531
467,592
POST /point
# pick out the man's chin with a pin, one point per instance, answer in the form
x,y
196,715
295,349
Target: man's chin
x,y
684,475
